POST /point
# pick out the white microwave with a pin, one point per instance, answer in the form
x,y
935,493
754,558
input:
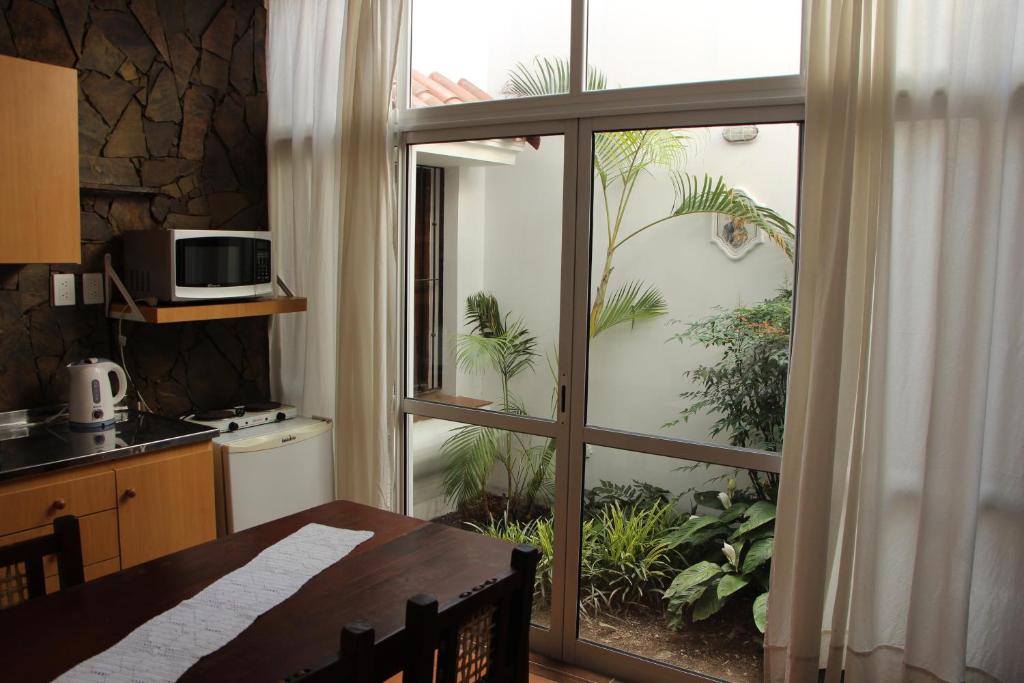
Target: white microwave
x,y
192,265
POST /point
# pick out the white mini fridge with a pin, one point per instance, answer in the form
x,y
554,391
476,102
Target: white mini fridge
x,y
273,470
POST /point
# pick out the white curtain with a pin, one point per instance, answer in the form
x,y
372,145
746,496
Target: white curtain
x,y
304,66
900,536
330,69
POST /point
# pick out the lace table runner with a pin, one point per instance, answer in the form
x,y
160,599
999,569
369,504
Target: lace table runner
x,y
166,646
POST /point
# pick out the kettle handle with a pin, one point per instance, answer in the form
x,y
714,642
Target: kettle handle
x,y
122,382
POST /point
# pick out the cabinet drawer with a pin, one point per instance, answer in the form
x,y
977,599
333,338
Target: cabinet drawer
x,y
99,539
29,508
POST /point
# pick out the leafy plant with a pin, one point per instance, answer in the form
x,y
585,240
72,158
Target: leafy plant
x,y
744,535
746,388
630,497
621,158
625,558
540,533
506,347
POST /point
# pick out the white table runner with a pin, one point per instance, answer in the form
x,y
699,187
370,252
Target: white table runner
x,y
166,646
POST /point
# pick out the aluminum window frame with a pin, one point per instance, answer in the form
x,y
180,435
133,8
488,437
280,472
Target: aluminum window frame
x,y
576,115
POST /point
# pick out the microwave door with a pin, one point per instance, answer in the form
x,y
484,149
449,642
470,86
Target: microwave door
x,y
221,267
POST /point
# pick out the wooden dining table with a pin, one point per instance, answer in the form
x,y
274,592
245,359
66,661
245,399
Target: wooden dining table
x,y
42,638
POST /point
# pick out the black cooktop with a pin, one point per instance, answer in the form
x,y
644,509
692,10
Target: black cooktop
x,y
35,442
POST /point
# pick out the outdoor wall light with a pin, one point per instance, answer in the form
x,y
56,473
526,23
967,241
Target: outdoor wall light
x,y
739,133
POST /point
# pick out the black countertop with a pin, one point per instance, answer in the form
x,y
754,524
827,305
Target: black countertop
x,y
32,442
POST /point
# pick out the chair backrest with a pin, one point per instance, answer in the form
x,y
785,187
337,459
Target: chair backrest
x,y
22,575
483,636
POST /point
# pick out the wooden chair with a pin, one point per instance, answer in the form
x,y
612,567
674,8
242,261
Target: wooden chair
x,y
483,636
21,564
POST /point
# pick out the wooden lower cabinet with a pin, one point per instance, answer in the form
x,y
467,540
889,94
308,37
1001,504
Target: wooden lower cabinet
x,y
129,510
165,505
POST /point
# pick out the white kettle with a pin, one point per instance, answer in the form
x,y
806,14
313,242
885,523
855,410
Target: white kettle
x,y
97,384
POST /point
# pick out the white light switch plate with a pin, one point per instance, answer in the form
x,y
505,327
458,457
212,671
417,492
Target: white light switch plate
x,y
92,288
63,290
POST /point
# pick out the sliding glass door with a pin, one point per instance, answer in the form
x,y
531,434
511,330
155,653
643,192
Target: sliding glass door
x,y
489,277
684,291
597,316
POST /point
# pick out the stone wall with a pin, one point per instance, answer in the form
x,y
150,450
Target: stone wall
x,y
172,97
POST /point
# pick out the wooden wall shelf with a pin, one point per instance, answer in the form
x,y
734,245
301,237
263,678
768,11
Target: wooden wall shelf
x,y
117,189
183,313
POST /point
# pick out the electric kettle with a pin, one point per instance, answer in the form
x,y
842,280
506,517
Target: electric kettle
x,y
97,384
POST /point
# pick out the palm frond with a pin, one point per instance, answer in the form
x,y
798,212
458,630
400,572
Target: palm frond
x,y
475,353
469,454
518,349
622,154
483,315
630,303
709,195
539,462
547,76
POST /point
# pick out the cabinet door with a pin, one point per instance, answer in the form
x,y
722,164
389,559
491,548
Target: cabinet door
x,y
166,504
39,202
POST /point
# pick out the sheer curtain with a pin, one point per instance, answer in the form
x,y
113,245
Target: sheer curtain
x,y
900,536
330,69
304,66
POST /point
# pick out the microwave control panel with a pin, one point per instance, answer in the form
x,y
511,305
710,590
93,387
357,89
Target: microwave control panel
x,y
262,261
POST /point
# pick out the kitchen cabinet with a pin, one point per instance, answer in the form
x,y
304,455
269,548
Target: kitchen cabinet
x,y
39,193
165,505
130,510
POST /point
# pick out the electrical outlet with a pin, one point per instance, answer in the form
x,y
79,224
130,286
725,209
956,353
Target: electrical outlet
x,y
63,290
92,288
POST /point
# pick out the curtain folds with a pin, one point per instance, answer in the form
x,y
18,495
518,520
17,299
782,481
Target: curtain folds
x,y
900,530
368,319
304,53
330,69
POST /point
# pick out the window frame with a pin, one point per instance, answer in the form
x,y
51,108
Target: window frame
x,y
577,115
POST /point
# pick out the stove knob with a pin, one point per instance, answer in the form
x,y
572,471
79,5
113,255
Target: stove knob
x,y
232,426
280,417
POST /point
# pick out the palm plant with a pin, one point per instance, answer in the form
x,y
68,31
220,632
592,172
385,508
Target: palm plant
x,y
506,347
621,158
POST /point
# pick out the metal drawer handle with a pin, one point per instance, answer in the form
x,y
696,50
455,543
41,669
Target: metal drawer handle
x,y
130,493
60,504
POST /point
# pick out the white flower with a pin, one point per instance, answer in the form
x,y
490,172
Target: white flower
x,y
730,553
726,500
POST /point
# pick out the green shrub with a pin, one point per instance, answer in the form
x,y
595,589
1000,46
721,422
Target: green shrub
x,y
746,388
625,558
540,533
744,535
635,496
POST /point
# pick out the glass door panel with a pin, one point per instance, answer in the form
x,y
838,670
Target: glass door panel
x,y
490,481
675,557
484,423
691,282
485,236
686,354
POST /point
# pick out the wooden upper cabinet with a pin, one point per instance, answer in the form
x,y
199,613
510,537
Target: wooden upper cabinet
x,y
39,202
165,504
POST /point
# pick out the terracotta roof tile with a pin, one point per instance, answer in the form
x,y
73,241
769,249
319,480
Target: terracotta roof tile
x,y
437,89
